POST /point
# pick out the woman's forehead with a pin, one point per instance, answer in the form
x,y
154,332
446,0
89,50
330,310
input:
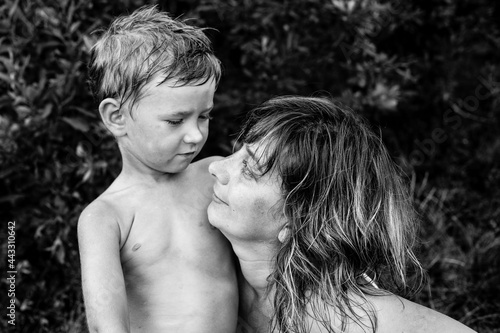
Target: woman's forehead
x,y
258,156
263,148
259,152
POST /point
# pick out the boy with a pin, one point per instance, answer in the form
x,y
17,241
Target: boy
x,y
150,261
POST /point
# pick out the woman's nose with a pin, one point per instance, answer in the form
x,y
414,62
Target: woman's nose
x,y
218,169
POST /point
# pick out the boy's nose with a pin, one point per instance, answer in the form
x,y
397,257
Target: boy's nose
x,y
218,170
193,135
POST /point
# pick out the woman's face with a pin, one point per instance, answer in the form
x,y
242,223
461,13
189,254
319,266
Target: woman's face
x,y
245,205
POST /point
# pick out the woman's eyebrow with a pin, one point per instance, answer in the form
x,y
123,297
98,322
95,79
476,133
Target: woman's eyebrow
x,y
250,153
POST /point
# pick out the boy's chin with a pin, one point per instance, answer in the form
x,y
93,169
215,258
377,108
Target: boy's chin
x,y
178,167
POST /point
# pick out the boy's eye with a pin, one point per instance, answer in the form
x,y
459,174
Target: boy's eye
x,y
174,122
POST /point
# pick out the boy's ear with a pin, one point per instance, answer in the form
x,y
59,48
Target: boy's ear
x,y
112,116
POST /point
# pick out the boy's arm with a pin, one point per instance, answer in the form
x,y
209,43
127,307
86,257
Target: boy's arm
x,y
102,276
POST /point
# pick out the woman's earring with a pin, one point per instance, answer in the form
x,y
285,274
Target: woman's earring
x,y
283,234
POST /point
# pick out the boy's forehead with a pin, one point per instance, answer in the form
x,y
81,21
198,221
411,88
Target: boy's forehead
x,y
173,82
178,97
176,82
157,86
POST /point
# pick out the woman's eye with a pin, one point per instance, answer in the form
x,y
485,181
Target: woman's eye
x,y
246,171
174,122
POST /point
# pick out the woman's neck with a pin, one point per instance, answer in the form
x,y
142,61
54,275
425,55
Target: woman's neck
x,y
256,307
257,261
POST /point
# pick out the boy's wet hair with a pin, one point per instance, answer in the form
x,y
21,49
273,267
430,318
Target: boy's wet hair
x,y
145,44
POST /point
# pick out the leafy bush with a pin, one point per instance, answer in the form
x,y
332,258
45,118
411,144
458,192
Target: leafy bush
x,y
55,156
426,73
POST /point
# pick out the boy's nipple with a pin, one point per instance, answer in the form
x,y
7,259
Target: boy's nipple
x,y
136,247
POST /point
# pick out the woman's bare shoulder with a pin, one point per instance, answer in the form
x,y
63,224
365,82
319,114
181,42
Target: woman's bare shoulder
x,y
396,314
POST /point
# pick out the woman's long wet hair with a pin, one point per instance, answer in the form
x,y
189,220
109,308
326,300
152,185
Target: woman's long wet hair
x,y
349,212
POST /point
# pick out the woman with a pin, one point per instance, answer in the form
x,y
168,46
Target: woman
x,y
321,223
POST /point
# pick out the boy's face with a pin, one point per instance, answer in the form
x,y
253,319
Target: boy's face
x,y
168,126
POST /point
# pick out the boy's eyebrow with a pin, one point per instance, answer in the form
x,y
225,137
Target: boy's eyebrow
x,y
188,113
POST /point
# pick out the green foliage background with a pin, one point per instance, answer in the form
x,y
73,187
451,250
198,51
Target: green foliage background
x,y
425,72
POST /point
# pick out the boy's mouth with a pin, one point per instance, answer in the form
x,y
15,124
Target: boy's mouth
x,y
188,153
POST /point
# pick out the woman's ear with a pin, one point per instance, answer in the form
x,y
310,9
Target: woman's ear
x,y
112,116
284,233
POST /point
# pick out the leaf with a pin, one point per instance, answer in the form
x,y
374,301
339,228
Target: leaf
x,y
5,172
83,111
79,124
22,111
11,198
6,78
47,110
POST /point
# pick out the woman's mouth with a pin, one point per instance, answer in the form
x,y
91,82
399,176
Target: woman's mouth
x,y
218,200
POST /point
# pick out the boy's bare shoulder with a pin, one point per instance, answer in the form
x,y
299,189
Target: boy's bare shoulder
x,y
108,213
114,205
99,214
199,169
98,208
204,163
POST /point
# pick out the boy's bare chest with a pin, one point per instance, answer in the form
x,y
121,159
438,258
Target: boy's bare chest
x,y
170,232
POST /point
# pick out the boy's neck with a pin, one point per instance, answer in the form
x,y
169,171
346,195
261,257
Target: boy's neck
x,y
147,177
131,169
